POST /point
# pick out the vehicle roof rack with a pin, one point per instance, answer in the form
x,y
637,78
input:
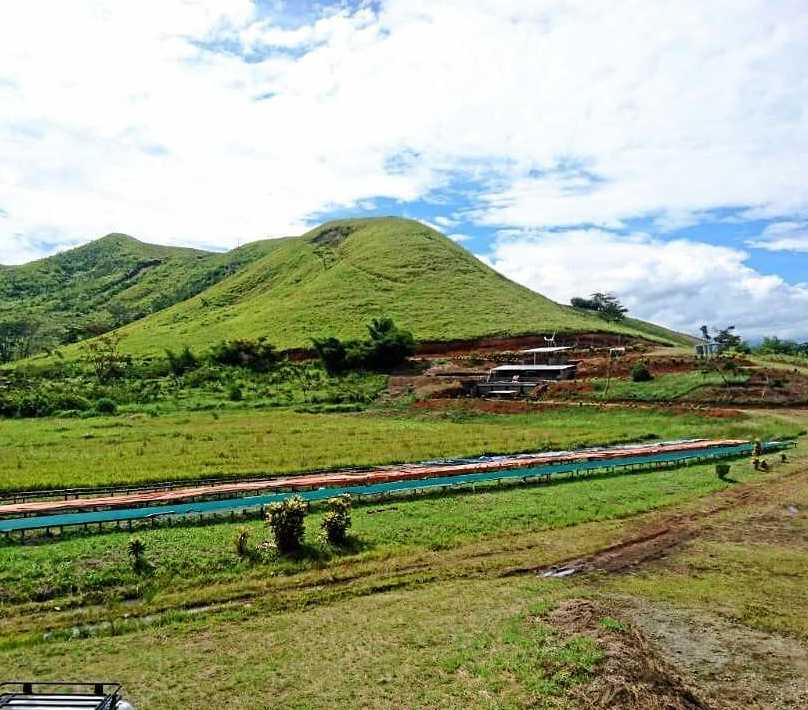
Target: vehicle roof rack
x,y
35,695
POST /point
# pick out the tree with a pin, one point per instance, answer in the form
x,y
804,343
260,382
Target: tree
x,y
181,363
727,339
17,339
607,305
705,333
387,347
105,356
332,354
390,346
257,355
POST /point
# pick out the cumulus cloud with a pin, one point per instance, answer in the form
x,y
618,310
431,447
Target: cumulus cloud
x,y
679,283
207,121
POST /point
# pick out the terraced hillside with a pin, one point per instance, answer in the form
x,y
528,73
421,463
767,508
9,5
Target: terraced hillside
x,y
109,283
335,278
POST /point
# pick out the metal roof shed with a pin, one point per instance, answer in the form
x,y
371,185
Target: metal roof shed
x,y
547,351
535,372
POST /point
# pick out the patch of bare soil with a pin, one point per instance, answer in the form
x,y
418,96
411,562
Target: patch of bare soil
x,y
485,406
634,675
731,665
656,540
579,341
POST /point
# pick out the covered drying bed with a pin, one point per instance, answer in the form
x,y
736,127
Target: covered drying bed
x,y
432,480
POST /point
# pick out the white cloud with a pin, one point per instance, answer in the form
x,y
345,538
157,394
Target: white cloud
x,y
783,236
116,116
459,237
678,283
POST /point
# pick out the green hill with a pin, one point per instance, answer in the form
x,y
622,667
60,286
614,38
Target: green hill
x,y
109,283
334,279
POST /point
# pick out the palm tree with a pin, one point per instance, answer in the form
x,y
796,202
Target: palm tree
x,y
136,549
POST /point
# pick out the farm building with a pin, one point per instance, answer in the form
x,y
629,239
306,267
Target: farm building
x,y
549,364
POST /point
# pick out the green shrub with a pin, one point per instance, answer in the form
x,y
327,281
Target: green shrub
x,y
332,354
641,373
257,355
286,520
387,347
337,520
182,363
235,393
105,405
242,544
136,549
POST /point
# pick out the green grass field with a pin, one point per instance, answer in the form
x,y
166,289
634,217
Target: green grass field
x,y
475,644
138,448
188,558
663,388
414,612
396,622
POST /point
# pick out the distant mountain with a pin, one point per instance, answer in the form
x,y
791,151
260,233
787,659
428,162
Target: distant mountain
x,y
111,282
335,278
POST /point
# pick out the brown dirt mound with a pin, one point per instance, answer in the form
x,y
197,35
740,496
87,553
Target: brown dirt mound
x,y
474,406
633,675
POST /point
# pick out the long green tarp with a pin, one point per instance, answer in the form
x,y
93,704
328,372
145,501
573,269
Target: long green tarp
x,y
236,504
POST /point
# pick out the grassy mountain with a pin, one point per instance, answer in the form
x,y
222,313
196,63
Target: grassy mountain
x,y
109,283
334,279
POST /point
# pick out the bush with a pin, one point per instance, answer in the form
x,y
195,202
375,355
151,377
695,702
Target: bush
x,y
137,554
235,393
257,355
641,373
286,520
105,405
242,544
182,363
337,520
387,347
332,354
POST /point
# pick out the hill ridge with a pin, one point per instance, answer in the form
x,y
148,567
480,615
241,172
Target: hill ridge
x,y
331,280
337,276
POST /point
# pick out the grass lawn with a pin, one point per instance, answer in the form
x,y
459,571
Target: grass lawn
x,y
414,615
457,645
190,558
663,388
137,448
752,568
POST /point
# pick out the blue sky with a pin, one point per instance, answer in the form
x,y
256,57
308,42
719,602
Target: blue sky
x,y
658,151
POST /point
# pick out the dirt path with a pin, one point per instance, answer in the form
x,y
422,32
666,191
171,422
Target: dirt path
x,y
668,531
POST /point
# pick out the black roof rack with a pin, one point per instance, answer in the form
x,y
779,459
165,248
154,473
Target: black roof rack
x,y
60,696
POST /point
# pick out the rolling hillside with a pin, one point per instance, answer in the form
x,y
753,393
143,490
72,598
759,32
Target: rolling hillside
x,y
334,279
109,283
